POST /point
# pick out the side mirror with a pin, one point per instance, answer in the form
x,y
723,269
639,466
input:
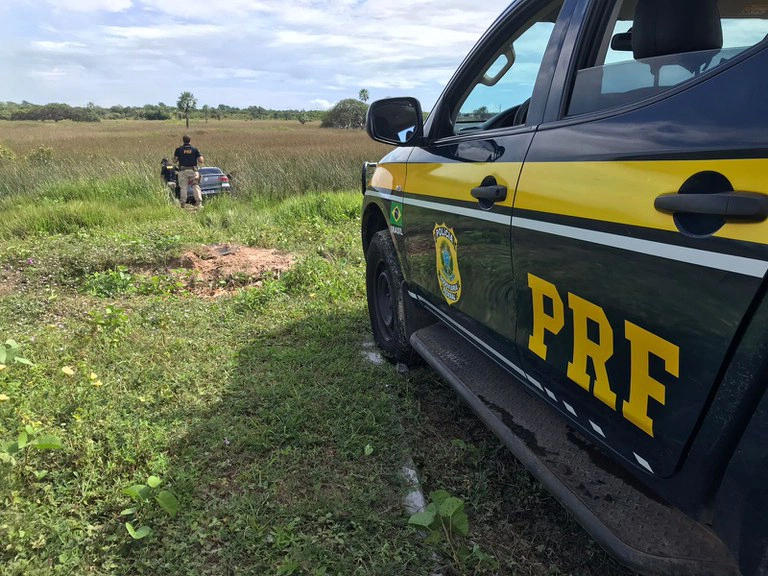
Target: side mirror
x,y
395,121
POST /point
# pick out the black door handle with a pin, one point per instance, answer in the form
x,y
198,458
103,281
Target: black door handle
x,y
744,206
494,193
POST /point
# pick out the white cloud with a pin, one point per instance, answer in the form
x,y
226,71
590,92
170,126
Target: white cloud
x,y
320,104
52,74
57,46
91,5
191,31
210,9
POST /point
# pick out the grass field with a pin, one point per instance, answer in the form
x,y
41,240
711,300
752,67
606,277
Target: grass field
x,y
271,160
253,402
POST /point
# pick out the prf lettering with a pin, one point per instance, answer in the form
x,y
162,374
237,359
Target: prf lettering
x,y
642,343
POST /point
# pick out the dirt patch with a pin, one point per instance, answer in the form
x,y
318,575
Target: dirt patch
x,y
10,280
207,271
219,269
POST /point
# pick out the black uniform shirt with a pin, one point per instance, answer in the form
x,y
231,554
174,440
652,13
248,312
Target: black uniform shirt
x,y
168,172
187,156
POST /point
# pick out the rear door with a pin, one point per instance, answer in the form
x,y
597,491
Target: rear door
x,y
457,204
632,279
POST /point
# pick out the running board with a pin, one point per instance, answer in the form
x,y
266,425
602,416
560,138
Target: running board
x,y
617,510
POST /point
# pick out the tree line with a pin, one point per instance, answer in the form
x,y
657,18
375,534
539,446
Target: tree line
x,y
348,113
160,111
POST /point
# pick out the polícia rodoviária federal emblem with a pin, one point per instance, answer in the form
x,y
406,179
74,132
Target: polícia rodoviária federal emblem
x,y
447,263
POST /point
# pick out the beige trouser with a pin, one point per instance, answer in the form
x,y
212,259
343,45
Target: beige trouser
x,y
188,176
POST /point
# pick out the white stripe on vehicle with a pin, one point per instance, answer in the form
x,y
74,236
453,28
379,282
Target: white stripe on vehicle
x,y
726,262
439,207
469,334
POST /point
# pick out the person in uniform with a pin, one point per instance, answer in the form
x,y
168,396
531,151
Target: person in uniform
x,y
188,159
168,174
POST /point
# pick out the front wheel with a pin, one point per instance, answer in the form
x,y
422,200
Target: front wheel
x,y
383,281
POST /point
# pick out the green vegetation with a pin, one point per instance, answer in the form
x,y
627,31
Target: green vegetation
x,y
156,431
160,111
257,427
348,113
144,495
186,104
55,112
446,526
112,159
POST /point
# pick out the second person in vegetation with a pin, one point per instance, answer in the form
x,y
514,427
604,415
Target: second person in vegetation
x,y
168,174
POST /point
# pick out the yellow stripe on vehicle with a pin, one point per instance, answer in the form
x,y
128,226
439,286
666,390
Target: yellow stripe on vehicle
x,y
455,180
624,192
389,176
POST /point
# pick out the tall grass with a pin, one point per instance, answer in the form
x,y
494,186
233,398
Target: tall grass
x,y
268,159
65,207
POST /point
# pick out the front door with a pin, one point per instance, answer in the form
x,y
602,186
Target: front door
x,y
457,205
633,279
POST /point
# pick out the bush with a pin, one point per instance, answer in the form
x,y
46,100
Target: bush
x,y
42,156
6,154
349,113
84,115
156,114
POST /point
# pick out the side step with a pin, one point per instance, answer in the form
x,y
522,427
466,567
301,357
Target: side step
x,y
624,517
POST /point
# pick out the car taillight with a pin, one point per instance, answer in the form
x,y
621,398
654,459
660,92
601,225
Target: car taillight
x,y
223,179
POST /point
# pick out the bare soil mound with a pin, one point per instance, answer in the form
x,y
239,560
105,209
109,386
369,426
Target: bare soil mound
x,y
221,268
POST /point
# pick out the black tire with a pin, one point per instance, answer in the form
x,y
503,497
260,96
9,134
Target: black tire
x,y
383,282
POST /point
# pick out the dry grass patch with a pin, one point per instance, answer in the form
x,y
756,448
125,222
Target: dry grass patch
x,y
268,159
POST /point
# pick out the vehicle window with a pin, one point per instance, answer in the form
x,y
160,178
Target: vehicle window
x,y
499,95
649,46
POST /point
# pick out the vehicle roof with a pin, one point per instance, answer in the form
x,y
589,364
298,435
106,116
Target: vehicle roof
x,y
728,9
211,169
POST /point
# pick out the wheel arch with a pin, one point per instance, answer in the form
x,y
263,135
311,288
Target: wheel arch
x,y
414,317
373,221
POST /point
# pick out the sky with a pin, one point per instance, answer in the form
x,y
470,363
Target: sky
x,y
300,54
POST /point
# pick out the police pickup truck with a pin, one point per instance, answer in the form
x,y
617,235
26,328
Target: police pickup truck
x,y
576,240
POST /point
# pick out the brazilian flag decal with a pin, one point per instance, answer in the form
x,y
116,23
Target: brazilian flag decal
x,y
396,214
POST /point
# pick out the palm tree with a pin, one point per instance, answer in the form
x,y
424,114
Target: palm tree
x,y
363,96
187,102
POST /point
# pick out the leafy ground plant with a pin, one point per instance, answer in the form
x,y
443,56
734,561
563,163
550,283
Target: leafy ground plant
x,y
9,353
18,453
121,282
144,495
446,526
